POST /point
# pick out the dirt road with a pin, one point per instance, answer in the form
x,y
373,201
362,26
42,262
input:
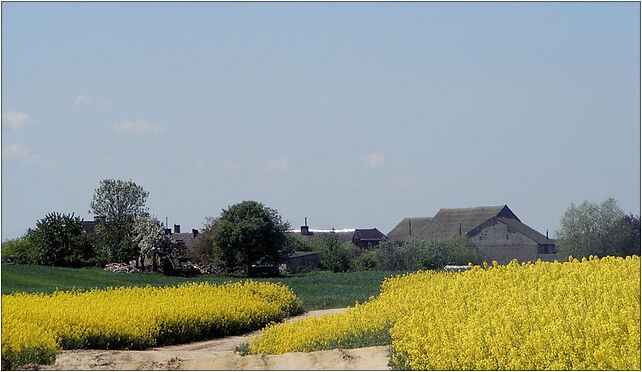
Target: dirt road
x,y
219,355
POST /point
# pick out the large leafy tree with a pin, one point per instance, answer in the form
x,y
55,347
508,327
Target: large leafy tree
x,y
249,233
119,203
598,229
59,240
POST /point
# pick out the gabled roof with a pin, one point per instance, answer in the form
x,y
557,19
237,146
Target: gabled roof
x,y
368,234
302,254
89,226
188,238
407,227
452,221
525,230
342,236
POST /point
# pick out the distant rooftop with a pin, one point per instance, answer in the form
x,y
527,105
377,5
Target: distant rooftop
x,y
324,230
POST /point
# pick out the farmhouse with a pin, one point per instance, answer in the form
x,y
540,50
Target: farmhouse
x,y
496,230
186,239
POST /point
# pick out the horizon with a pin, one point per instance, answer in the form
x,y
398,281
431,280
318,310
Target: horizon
x,y
354,115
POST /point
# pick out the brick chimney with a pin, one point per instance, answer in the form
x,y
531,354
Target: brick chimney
x,y
177,229
305,230
194,233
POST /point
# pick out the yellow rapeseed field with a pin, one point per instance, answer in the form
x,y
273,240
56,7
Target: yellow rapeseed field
x,y
35,326
575,315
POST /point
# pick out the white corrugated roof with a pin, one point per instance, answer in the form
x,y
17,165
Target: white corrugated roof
x,y
338,231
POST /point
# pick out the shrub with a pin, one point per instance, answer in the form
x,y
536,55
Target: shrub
x,y
59,240
204,244
335,255
390,257
20,250
427,254
364,261
455,250
301,245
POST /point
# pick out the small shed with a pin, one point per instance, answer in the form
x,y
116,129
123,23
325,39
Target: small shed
x,y
297,260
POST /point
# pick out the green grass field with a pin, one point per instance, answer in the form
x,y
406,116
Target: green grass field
x,y
317,290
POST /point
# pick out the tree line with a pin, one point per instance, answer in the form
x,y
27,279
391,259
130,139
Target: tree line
x,y
250,233
245,234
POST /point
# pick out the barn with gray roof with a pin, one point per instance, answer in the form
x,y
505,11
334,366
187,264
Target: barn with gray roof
x,y
405,228
501,236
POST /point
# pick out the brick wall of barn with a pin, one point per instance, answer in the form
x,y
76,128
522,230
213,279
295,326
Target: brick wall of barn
x,y
498,242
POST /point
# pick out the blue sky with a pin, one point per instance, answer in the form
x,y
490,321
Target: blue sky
x,y
350,114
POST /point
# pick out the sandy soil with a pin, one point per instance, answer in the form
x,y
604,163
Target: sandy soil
x,y
219,355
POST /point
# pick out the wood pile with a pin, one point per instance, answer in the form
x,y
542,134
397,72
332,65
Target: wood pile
x,y
120,267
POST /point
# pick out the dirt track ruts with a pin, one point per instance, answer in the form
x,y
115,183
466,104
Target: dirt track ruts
x,y
219,354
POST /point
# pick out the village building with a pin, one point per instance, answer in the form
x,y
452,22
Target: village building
x,y
496,230
405,228
362,238
188,240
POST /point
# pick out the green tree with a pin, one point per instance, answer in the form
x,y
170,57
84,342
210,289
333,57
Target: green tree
x,y
625,237
249,233
364,261
204,244
334,255
300,245
20,250
119,203
454,250
598,229
59,240
390,257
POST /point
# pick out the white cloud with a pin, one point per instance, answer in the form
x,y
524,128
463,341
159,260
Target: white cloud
x,y
137,127
14,119
373,160
88,101
19,152
279,164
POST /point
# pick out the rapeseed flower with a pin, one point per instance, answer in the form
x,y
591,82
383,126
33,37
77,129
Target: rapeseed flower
x,y
530,316
35,326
